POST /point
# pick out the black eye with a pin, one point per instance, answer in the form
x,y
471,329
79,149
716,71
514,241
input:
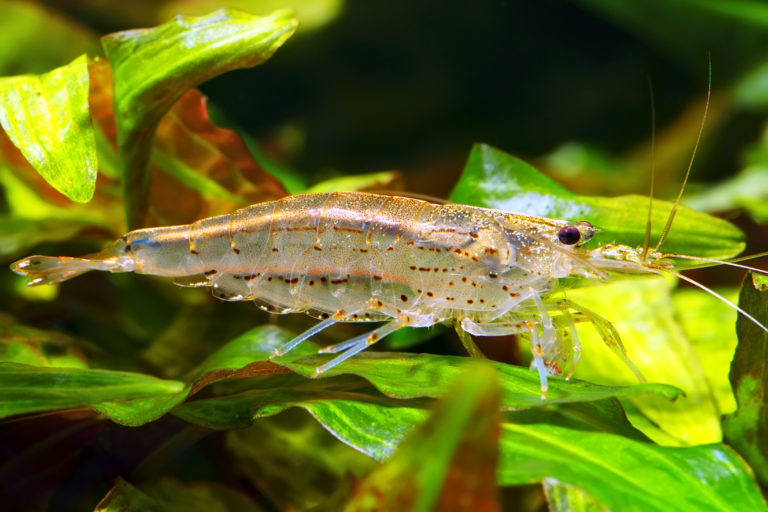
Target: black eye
x,y
569,235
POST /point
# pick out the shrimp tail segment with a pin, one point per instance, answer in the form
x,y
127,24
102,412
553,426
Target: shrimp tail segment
x,y
54,269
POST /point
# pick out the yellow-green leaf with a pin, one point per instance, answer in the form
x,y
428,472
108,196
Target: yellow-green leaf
x,y
47,117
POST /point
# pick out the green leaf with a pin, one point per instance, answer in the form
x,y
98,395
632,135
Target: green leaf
x,y
27,345
132,398
622,473
643,313
449,458
747,428
245,356
47,118
605,416
312,14
373,181
708,324
153,67
567,498
627,475
494,179
404,375
295,461
370,423
25,389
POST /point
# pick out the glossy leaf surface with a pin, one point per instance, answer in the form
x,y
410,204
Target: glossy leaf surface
x,y
494,179
47,118
747,428
152,68
25,388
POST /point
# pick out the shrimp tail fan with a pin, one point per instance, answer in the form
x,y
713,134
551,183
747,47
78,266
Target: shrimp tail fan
x,y
55,269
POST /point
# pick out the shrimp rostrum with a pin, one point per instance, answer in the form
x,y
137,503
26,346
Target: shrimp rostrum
x,y
358,257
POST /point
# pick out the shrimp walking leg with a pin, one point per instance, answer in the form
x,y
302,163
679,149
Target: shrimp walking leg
x,y
341,347
570,351
527,326
303,337
469,344
538,359
358,344
605,329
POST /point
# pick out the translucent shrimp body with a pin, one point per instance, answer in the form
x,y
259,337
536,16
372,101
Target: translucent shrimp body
x,y
350,257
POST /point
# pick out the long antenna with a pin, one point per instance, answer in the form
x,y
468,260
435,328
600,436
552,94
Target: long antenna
x,y
647,238
719,297
672,213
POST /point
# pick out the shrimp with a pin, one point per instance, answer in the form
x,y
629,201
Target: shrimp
x,y
360,257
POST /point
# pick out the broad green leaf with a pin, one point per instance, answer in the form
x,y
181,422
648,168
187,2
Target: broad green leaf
x,y
312,14
130,398
710,325
47,118
448,459
25,388
239,410
607,416
494,179
622,473
747,428
245,356
403,375
27,345
642,311
372,424
627,475
296,462
154,67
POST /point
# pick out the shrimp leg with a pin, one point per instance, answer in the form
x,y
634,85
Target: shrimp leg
x,y
303,337
516,327
565,323
607,333
469,344
357,345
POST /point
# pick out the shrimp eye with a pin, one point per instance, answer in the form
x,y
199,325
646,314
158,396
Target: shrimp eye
x,y
569,235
